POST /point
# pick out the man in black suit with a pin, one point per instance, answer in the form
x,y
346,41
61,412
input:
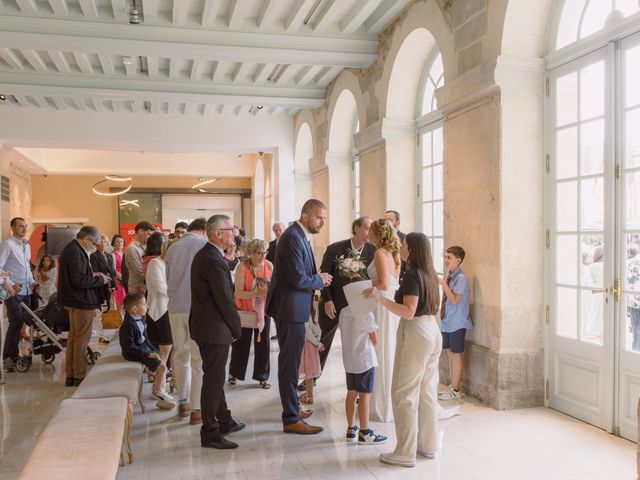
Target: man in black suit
x,y
214,324
332,299
289,302
394,217
278,230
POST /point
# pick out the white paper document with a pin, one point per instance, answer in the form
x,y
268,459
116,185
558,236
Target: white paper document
x,y
360,306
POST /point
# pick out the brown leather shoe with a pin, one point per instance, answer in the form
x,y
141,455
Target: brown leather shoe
x,y
184,409
196,417
302,428
304,414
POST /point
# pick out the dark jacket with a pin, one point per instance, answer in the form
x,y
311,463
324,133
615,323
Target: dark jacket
x,y
294,278
214,318
104,263
77,287
133,347
335,292
271,252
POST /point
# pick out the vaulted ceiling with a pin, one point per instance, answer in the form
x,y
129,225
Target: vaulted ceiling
x,y
205,57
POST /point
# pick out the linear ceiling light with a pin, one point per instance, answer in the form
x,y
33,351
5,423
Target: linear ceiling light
x,y
117,178
311,12
109,194
201,184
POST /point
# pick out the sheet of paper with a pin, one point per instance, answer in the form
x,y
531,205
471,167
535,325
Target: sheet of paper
x,y
360,306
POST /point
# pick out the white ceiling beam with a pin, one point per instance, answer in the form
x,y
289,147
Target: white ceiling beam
x,y
27,6
326,75
218,72
174,68
263,71
268,14
22,101
79,103
179,12
324,18
152,67
120,10
115,106
59,61
59,7
296,16
89,8
241,72
223,109
130,68
41,102
153,106
276,110
107,64
286,74
189,108
83,63
59,103
34,60
237,12
98,106
172,108
196,69
209,109
11,58
147,89
307,73
236,110
383,15
137,106
358,15
210,12
150,10
200,44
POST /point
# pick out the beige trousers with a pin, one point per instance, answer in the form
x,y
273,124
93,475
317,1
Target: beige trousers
x,y
415,386
80,322
186,360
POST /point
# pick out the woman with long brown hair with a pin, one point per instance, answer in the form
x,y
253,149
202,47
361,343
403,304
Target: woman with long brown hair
x,y
384,272
419,343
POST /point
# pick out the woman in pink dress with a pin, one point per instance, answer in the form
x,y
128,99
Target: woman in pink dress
x,y
117,242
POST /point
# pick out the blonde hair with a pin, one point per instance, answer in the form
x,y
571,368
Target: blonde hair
x,y
387,238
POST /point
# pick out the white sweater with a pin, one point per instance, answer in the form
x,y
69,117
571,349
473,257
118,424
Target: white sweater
x,y
156,280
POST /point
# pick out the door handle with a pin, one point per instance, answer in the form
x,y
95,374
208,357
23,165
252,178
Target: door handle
x,y
601,290
617,290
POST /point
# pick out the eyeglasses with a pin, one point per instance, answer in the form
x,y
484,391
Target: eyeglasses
x,y
221,229
260,253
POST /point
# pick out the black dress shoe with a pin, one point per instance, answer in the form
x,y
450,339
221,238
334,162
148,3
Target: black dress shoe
x,y
221,444
77,382
69,382
233,427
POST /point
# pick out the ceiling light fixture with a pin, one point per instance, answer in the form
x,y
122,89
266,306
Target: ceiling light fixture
x,y
273,72
134,14
202,183
133,203
127,60
110,194
311,12
117,178
2,98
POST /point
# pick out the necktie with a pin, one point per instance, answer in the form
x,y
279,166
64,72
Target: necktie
x,y
444,301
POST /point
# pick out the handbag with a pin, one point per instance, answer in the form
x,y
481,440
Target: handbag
x,y
248,319
111,319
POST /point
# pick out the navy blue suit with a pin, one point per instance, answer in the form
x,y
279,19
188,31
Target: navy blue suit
x,y
289,302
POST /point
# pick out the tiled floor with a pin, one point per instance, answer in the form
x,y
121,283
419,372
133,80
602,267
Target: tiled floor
x,y
482,443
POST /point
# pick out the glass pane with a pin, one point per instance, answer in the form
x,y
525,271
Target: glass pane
x,y
628,7
566,260
591,316
632,156
567,312
438,146
632,77
592,91
437,182
356,173
632,278
594,17
425,138
592,208
592,267
632,331
567,99
568,27
427,219
567,152
567,207
438,254
632,200
436,68
592,147
427,97
427,190
438,223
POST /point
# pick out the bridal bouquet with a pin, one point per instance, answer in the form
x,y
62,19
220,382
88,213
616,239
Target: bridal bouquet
x,y
352,266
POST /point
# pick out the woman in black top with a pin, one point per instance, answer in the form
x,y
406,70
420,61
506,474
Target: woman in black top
x,y
419,343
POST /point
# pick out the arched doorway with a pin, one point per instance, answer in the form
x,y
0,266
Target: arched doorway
x,y
302,156
258,200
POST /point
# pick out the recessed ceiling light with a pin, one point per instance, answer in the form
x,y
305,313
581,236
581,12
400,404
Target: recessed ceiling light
x,y
127,60
2,98
260,107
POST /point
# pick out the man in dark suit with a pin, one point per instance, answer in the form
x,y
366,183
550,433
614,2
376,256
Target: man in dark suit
x,y
214,324
394,217
332,298
289,302
278,230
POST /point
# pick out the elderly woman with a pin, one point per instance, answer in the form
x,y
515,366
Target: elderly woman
x,y
251,281
102,261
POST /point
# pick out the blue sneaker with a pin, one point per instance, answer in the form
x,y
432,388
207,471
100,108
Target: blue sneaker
x,y
369,437
352,434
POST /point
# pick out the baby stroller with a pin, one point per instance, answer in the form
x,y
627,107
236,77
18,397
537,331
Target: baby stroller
x,y
47,323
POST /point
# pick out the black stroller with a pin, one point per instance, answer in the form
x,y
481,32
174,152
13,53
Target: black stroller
x,y
47,323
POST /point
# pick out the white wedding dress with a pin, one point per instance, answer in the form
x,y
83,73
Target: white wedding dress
x,y
381,410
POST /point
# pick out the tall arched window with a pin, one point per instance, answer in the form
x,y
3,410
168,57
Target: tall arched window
x,y
430,157
355,177
592,190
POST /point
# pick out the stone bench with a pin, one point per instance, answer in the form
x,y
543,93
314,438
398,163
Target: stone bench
x,y
84,439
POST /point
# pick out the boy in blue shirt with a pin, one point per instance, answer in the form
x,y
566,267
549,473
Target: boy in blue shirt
x,y
136,347
454,314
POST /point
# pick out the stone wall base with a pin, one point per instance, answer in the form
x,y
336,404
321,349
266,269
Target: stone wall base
x,y
502,380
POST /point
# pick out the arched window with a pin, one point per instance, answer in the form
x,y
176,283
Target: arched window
x,y
430,157
355,177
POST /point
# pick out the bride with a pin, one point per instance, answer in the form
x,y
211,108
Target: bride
x,y
384,272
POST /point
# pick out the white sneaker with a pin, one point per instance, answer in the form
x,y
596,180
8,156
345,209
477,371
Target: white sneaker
x,y
450,394
162,396
393,459
429,455
165,404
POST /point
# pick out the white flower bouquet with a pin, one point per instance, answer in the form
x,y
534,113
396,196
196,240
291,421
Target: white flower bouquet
x,y
352,266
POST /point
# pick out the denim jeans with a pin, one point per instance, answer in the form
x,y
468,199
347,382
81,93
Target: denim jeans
x,y
12,340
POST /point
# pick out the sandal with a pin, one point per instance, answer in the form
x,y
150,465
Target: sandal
x,y
104,340
306,398
264,384
232,380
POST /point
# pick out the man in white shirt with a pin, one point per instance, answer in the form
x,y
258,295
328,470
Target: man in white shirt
x,y
15,258
133,257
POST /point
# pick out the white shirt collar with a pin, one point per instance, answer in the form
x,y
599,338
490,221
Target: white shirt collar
x,y
353,247
218,248
307,233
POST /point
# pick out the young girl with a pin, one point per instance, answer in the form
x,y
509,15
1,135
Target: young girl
x,y
310,360
46,279
117,242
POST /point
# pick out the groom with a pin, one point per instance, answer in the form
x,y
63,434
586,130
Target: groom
x,y
289,303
